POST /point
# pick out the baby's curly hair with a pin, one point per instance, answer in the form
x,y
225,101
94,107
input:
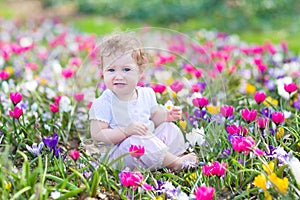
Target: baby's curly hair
x,y
121,44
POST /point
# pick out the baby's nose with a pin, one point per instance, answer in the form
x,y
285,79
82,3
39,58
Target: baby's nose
x,y
119,75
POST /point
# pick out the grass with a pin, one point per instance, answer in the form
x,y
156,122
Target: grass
x,y
106,25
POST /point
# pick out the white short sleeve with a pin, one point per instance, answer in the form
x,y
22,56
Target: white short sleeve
x,y
101,108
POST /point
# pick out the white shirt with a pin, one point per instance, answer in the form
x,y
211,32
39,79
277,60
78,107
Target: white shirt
x,y
117,113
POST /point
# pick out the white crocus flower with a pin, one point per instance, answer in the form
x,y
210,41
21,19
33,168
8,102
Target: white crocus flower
x,y
64,104
280,87
5,87
163,76
169,106
55,194
182,196
35,149
294,165
183,93
196,136
50,93
31,85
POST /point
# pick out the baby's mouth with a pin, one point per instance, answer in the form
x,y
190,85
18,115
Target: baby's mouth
x,y
119,83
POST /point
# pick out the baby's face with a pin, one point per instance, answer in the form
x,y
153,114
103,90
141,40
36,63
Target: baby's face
x,y
121,75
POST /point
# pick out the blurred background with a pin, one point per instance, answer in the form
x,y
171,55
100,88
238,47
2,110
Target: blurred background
x,y
254,21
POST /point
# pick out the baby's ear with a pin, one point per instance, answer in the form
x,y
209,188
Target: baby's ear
x,y
142,77
142,69
101,73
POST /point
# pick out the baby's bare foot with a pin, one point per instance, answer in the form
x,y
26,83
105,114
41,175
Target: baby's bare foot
x,y
189,160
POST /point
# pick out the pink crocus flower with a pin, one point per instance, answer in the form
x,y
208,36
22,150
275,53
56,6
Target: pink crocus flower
x,y
177,86
162,59
4,75
57,99
188,68
78,96
136,150
220,65
195,88
16,113
133,179
262,67
243,144
158,88
32,66
262,122
68,72
284,46
54,107
215,168
200,102
236,130
226,110
258,152
291,87
204,193
58,40
270,47
5,54
248,115
259,97
197,73
257,60
75,61
74,155
15,97
277,117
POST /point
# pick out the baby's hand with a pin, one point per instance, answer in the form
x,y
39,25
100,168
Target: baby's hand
x,y
136,128
174,114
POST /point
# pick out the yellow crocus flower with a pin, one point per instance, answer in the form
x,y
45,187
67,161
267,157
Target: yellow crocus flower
x,y
260,181
213,109
191,177
280,133
269,168
9,70
169,81
274,102
7,186
249,88
268,195
281,183
182,124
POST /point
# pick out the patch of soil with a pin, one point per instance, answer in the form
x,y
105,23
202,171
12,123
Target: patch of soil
x,y
34,9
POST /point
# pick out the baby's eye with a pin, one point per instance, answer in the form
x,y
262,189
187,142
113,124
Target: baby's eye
x,y
110,70
126,69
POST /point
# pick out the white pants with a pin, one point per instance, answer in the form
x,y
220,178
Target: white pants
x,y
167,137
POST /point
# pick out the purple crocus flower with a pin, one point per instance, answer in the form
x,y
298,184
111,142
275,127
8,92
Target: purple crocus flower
x,y
193,120
225,153
57,151
51,142
266,112
296,104
270,152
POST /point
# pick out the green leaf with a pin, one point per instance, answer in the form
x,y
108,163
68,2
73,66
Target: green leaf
x,y
71,193
17,195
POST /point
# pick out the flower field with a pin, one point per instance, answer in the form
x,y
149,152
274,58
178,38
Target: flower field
x,y
240,105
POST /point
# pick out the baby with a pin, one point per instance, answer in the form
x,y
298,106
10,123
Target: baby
x,y
126,114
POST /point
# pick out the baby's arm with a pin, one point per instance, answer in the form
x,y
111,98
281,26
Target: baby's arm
x,y
161,115
100,131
